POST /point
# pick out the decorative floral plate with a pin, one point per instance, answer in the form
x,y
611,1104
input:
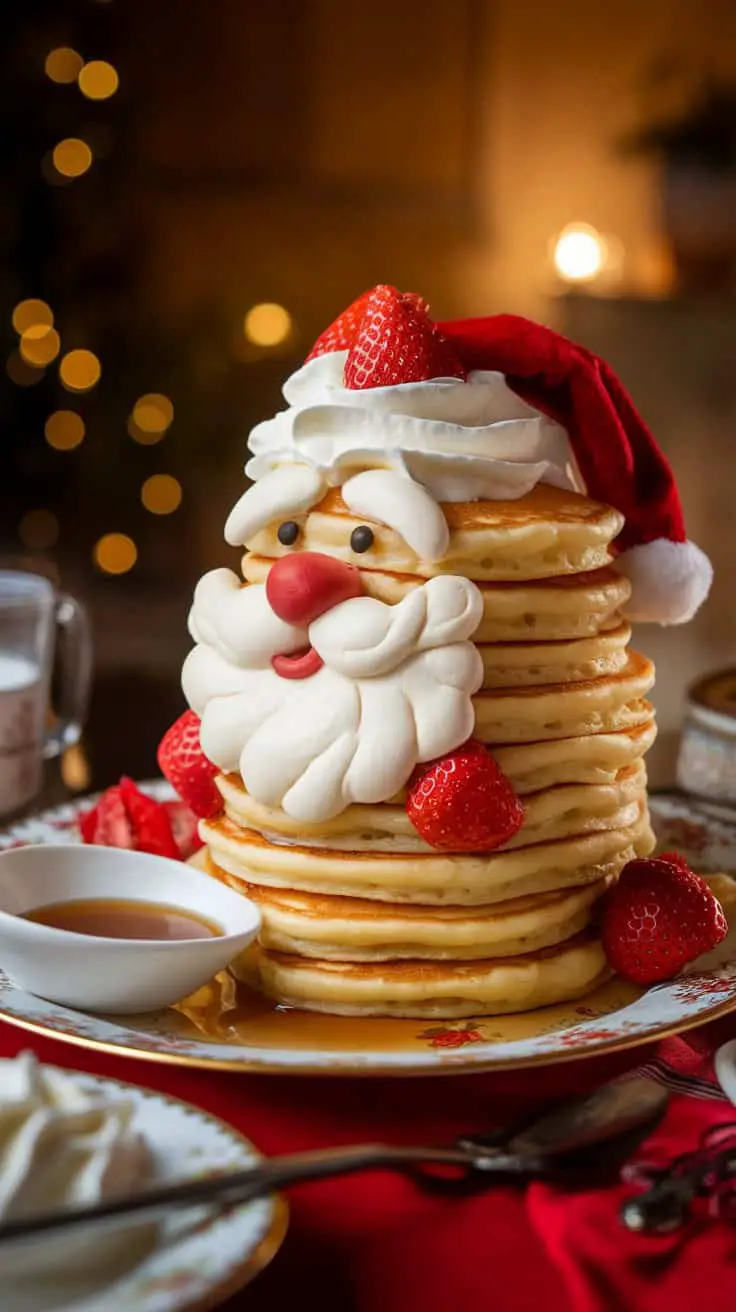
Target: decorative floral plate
x,y
197,1257
226,1026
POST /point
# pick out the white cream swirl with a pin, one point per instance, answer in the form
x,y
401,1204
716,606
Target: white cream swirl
x,y
63,1147
461,440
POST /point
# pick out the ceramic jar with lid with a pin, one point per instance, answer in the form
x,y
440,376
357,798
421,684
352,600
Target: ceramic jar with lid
x,y
706,765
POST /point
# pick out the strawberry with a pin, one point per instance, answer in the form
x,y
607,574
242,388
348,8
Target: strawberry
x,y
107,823
464,803
126,817
397,342
659,916
342,333
186,767
184,828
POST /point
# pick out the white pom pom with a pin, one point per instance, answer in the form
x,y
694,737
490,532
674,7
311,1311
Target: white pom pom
x,y
670,581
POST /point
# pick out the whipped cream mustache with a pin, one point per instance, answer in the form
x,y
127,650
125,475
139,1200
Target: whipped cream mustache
x,y
395,689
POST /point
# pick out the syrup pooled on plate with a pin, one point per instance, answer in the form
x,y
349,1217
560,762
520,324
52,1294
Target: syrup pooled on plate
x,y
117,918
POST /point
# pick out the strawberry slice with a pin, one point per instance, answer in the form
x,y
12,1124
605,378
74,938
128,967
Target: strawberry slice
x,y
184,764
126,817
464,802
107,823
184,826
151,825
342,333
659,916
398,343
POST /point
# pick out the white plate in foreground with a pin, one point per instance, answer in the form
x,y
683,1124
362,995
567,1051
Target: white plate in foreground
x,y
195,1255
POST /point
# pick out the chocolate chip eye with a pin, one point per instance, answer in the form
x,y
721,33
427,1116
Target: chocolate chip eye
x,y
288,533
361,538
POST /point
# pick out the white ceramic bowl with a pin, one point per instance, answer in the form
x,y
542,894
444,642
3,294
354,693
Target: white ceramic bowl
x,y
112,974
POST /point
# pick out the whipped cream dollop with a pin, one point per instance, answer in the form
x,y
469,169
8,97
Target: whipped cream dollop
x,y
61,1146
461,440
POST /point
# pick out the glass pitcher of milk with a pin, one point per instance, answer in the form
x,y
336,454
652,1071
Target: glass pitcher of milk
x,y
32,617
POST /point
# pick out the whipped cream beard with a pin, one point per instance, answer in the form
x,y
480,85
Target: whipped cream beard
x,y
330,708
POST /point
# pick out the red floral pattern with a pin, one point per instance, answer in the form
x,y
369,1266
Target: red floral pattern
x,y
442,1036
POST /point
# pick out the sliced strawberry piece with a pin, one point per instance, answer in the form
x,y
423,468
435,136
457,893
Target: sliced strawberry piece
x,y
659,917
465,803
186,767
107,824
398,343
126,817
150,821
342,333
184,826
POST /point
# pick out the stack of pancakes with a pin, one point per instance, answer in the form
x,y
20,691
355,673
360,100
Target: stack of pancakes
x,y
360,915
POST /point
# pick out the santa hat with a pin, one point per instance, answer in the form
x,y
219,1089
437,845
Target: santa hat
x,y
617,456
384,345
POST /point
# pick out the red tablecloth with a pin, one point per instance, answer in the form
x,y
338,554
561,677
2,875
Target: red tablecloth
x,y
379,1244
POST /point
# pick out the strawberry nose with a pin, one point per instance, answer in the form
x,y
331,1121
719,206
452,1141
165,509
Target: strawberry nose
x,y
305,585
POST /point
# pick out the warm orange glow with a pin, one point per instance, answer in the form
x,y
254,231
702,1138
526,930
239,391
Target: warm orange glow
x,y
75,768
39,529
580,253
152,415
40,345
63,64
72,157
80,370
98,80
267,324
32,314
64,430
20,372
161,494
115,553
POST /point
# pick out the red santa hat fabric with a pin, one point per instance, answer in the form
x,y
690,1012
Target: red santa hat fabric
x,y
616,454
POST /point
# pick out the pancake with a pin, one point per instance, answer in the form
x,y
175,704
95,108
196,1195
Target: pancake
x,y
354,929
547,533
529,664
615,701
436,878
548,610
589,759
549,814
493,986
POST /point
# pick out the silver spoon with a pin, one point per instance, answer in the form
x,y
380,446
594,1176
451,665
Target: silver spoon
x,y
609,1113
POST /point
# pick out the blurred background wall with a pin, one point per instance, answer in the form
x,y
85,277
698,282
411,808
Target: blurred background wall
x,y
193,191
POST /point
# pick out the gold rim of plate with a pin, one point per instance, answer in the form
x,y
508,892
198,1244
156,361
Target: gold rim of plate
x,y
453,1063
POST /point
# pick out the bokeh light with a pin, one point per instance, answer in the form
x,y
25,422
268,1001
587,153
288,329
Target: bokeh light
x,y
63,64
580,253
72,157
79,370
75,768
161,494
115,553
39,529
151,416
98,80
267,324
20,372
64,430
40,344
32,314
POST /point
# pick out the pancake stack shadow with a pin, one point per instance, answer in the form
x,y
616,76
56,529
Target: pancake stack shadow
x,y
360,915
